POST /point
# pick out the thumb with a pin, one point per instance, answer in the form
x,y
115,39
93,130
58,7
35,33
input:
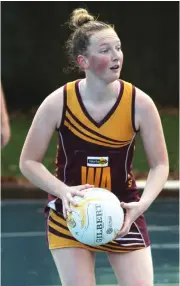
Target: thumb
x,y
125,205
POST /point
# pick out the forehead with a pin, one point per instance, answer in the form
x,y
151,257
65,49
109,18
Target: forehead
x,y
106,36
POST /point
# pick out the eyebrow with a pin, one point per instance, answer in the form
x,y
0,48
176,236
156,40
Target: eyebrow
x,y
118,42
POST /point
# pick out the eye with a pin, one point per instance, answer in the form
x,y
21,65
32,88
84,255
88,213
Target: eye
x,y
118,48
104,51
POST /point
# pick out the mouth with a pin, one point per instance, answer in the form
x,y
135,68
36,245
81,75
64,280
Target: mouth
x,y
115,67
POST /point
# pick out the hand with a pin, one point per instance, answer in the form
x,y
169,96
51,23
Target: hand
x,y
68,195
133,211
5,134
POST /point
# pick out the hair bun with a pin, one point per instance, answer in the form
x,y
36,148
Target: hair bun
x,y
79,17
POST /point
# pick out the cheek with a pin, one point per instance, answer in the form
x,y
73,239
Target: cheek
x,y
121,58
99,64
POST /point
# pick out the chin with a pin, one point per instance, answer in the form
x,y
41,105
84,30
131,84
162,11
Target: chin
x,y
111,78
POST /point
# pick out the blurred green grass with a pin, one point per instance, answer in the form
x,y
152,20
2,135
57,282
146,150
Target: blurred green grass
x,y
19,127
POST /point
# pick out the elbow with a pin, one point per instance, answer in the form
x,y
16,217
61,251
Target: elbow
x,y
165,166
26,166
166,170
23,165
162,169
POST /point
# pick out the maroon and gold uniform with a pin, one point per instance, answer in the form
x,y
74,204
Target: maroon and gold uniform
x,y
100,154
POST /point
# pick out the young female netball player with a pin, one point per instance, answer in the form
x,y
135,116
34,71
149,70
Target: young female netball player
x,y
97,117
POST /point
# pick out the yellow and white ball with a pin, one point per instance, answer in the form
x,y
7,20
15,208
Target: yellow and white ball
x,y
97,218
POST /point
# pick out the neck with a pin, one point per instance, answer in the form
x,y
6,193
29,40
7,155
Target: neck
x,y
98,90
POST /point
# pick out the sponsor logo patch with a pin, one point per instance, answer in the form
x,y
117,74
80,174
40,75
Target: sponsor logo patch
x,y
97,161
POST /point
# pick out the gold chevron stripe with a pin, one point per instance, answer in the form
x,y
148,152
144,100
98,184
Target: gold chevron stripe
x,y
88,133
108,247
86,138
57,218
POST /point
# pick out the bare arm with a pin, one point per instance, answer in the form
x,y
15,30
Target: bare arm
x,y
147,120
5,126
149,123
47,118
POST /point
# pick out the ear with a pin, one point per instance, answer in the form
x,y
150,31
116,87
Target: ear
x,y
83,62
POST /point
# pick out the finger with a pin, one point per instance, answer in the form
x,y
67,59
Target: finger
x,y
123,233
124,230
125,205
64,212
67,206
125,225
84,187
71,199
78,193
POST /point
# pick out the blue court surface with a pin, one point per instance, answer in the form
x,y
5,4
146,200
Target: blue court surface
x,y
26,260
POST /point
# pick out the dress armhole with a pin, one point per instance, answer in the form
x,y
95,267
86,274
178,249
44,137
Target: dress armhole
x,y
64,107
133,109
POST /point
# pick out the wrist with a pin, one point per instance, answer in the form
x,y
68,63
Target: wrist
x,y
62,190
144,204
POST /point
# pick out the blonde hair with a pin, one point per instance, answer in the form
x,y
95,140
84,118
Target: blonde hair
x,y
79,17
83,25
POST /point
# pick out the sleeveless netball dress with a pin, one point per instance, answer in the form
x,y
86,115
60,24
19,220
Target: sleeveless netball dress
x,y
99,154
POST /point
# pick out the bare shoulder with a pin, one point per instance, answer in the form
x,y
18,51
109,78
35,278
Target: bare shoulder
x,y
53,105
46,120
54,101
148,122
144,107
143,100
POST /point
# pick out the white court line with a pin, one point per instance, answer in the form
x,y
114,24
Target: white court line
x,y
7,202
41,233
43,202
158,284
160,228
22,234
169,185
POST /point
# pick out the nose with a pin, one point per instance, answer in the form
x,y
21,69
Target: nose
x,y
116,55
